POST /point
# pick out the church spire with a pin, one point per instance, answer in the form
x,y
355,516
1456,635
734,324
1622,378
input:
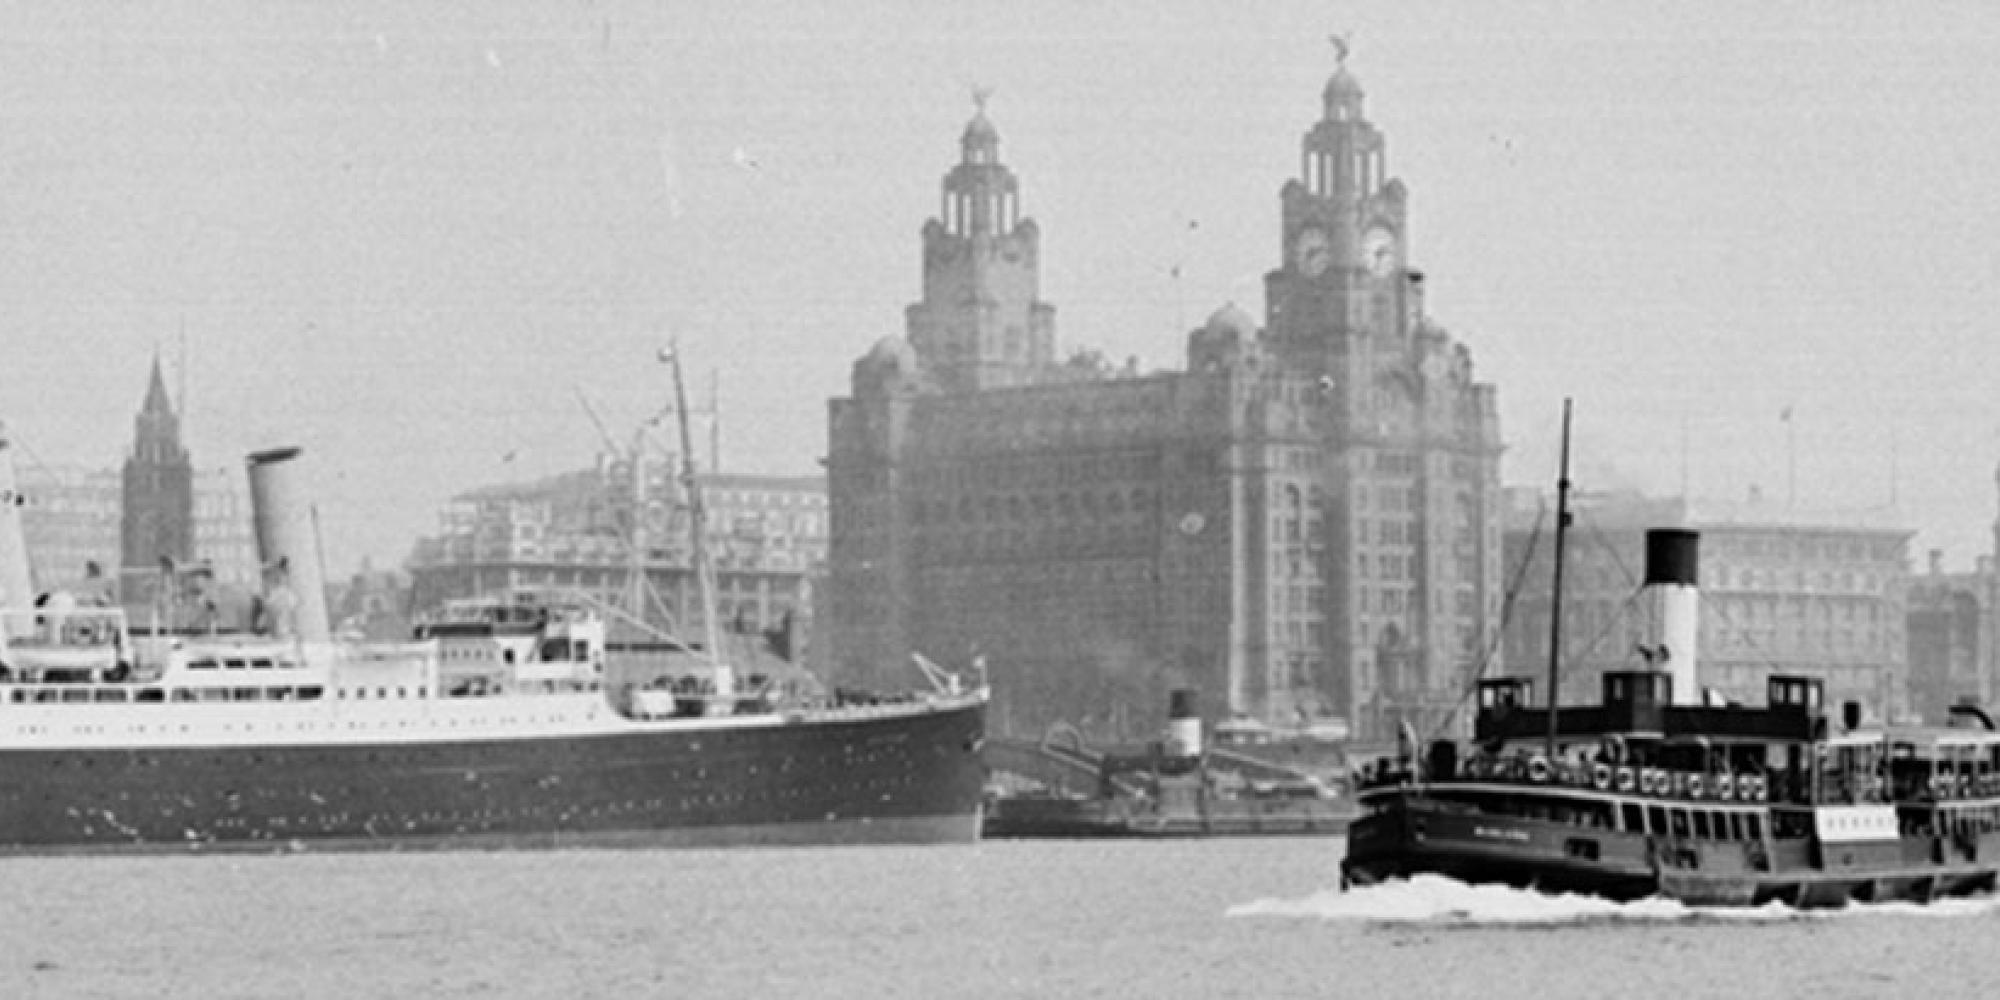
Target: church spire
x,y
157,404
158,516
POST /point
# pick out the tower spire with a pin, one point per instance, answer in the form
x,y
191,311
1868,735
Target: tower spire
x,y
981,323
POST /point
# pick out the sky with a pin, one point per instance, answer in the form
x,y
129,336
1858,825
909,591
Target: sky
x,y
416,239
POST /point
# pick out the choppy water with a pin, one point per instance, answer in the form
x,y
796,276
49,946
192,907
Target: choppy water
x,y
1223,918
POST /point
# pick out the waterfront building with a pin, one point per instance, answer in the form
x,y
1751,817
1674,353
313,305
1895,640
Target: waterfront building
x,y
1304,522
1822,594
578,532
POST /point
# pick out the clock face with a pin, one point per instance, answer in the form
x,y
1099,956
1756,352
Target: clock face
x,y
1378,251
1312,251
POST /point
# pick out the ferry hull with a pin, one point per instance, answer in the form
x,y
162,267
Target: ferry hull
x,y
905,777
1410,838
1396,844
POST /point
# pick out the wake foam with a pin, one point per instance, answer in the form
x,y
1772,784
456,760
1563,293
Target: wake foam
x,y
1434,900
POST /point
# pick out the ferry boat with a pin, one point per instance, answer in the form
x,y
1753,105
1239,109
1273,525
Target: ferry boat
x,y
1656,790
494,727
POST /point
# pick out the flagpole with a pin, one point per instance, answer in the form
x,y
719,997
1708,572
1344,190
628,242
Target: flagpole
x,y
1791,461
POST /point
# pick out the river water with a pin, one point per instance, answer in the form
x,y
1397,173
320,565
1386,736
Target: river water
x,y
1218,918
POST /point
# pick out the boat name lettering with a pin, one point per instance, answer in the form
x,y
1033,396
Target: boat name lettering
x,y
1496,833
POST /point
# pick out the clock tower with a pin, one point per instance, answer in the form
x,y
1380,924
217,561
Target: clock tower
x,y
1343,232
981,323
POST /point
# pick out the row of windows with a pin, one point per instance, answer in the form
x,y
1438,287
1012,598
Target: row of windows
x,y
1004,473
63,695
1020,507
241,663
1724,544
1750,578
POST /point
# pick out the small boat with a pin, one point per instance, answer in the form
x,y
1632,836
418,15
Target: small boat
x,y
1657,791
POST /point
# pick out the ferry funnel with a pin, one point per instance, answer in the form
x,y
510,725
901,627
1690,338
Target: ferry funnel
x,y
1673,600
1183,724
16,588
287,548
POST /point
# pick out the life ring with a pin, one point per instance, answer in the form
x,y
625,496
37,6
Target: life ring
x,y
1538,769
1756,786
1692,783
1653,781
1600,777
1941,786
1965,786
1725,787
1625,779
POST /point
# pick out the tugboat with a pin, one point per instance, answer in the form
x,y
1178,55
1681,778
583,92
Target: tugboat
x,y
1658,791
1175,787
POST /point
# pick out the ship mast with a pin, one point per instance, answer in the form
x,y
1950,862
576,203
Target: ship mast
x,y
1556,594
725,681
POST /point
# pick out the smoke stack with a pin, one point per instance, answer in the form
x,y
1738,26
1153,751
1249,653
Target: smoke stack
x,y
286,546
16,589
1672,568
1183,724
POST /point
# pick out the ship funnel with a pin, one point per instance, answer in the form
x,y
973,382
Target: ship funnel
x,y
294,591
1183,724
1672,597
16,588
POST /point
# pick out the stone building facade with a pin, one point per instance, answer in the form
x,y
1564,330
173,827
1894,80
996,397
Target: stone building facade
x,y
1303,524
1822,594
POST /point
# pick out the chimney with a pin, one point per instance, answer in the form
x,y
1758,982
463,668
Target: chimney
x,y
1673,597
1183,724
283,523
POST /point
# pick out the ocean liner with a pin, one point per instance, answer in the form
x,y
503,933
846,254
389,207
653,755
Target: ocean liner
x,y
495,726
1661,789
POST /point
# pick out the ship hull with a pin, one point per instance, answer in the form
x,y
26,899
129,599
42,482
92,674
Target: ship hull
x,y
891,776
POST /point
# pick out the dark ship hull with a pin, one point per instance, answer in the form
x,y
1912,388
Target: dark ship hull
x,y
902,774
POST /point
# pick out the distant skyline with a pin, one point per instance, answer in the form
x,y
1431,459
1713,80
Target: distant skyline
x,y
1755,243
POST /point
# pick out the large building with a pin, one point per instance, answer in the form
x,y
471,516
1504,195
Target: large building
x,y
1304,523
578,532
1782,590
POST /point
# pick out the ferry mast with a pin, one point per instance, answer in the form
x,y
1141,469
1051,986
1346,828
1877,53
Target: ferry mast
x,y
1556,594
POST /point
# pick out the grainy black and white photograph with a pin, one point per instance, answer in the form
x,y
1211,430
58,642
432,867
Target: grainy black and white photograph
x,y
728,498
